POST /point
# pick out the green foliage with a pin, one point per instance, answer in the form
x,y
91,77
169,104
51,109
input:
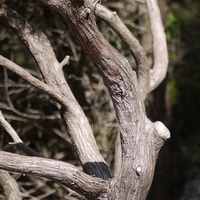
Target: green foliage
x,y
172,29
172,90
183,29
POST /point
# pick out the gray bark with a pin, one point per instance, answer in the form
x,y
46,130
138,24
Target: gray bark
x,y
140,139
10,186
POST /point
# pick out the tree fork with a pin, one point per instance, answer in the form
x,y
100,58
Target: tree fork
x,y
79,130
141,139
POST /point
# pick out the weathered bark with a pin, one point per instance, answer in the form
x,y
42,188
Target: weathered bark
x,y
160,53
78,126
133,44
10,186
58,171
139,147
140,138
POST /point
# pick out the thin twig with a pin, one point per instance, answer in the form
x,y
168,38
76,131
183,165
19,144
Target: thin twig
x,y
9,129
17,141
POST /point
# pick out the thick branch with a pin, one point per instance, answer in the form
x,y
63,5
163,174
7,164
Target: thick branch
x,y
160,53
96,166
10,186
138,151
80,130
137,133
57,171
135,48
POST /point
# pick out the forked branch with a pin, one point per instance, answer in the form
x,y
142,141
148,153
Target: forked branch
x,y
133,44
138,158
148,79
57,171
141,139
80,130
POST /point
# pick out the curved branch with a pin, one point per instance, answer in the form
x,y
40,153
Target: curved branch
x,y
160,52
80,130
135,48
139,153
17,141
138,161
60,172
92,165
9,129
55,94
10,186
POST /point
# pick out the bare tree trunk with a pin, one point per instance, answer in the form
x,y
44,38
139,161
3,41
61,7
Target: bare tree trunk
x,y
140,139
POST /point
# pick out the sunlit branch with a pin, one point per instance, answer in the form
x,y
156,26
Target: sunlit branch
x,y
160,52
134,46
58,171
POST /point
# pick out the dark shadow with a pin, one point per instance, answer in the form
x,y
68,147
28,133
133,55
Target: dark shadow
x,y
27,150
98,169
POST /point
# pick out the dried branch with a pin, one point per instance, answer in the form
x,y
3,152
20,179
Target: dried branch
x,y
10,104
10,186
138,158
64,62
57,171
32,80
160,52
147,81
17,141
9,129
80,130
135,48
141,139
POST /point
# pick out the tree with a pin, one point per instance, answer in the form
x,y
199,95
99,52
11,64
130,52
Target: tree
x,y
140,140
